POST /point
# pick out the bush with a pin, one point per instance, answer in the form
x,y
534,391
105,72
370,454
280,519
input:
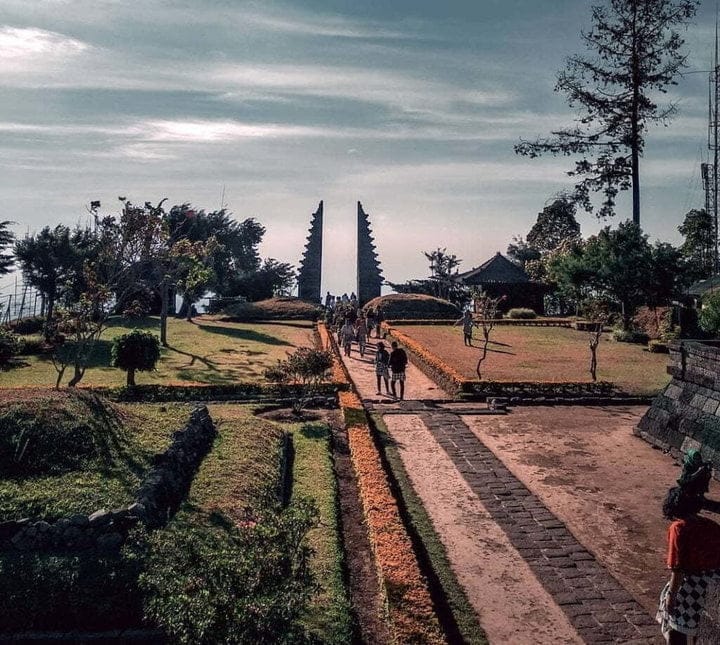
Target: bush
x,y
32,345
305,367
137,350
10,345
66,592
521,313
710,313
227,585
630,336
280,308
401,306
658,347
30,325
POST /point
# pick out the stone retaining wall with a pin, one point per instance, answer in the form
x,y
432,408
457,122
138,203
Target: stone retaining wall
x,y
686,414
162,491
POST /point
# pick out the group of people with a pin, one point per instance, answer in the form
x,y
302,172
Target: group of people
x,y
389,366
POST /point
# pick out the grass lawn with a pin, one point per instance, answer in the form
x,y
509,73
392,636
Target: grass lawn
x,y
329,618
116,442
547,354
246,458
206,351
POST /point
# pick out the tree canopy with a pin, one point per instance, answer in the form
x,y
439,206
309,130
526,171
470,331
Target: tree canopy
x,y
635,54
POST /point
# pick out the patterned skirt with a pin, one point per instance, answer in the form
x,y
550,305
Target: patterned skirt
x,y
689,603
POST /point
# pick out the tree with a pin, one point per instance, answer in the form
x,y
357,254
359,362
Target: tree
x,y
710,313
668,275
698,229
567,268
7,239
555,224
620,261
48,261
443,266
486,308
520,252
135,351
273,278
635,54
237,242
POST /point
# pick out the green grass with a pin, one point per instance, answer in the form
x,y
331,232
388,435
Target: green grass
x,y
329,618
244,461
109,477
463,614
206,351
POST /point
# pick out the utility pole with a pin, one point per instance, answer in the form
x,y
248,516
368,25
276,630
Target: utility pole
x,y
711,190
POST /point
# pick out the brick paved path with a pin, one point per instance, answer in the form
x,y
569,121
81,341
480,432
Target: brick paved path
x,y
597,605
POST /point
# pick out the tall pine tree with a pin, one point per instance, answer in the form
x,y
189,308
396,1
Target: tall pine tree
x,y
634,52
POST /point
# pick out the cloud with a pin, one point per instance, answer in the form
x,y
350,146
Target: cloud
x,y
37,44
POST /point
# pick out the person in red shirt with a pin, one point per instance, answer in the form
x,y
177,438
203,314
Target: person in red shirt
x,y
693,557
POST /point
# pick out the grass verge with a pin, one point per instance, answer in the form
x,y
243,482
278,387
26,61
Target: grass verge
x,y
329,618
468,628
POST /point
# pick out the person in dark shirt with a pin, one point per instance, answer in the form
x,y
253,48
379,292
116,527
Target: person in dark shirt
x,y
382,360
693,557
398,362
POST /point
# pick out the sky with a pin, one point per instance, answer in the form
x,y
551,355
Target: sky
x,y
266,108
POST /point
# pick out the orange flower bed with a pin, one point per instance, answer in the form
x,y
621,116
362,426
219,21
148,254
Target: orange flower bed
x,y
412,617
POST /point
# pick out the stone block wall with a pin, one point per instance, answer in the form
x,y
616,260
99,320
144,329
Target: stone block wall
x,y
162,491
686,414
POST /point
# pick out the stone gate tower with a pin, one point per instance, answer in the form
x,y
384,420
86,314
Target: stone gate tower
x,y
369,274
310,272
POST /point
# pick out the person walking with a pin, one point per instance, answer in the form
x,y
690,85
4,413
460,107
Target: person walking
x,y
398,363
361,333
378,322
382,362
370,317
347,335
467,325
693,557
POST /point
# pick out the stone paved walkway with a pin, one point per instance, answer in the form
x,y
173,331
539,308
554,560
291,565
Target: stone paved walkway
x,y
596,603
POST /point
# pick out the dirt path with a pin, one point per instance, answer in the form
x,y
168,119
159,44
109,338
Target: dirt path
x,y
517,610
604,483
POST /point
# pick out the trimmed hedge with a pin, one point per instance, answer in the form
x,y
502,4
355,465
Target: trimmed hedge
x,y
281,308
400,306
521,313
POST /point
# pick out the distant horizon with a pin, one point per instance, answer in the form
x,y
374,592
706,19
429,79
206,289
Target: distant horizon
x,y
269,107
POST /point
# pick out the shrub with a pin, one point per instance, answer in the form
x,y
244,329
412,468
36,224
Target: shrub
x,y
35,345
227,585
658,347
10,345
710,313
630,336
280,308
521,313
65,592
401,306
305,367
137,350
30,325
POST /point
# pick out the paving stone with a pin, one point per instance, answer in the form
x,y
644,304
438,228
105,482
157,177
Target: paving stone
x,y
598,606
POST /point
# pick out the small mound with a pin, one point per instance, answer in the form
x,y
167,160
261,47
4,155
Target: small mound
x,y
405,306
48,433
279,308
